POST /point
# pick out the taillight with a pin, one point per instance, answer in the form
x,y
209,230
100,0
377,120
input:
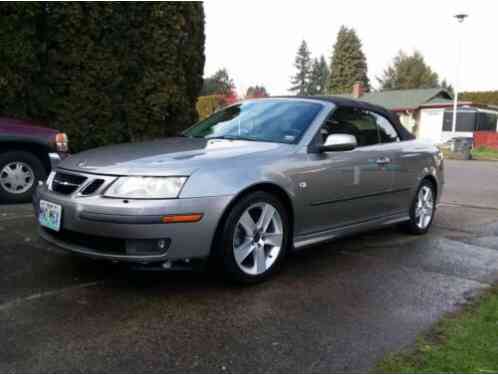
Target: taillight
x,y
61,142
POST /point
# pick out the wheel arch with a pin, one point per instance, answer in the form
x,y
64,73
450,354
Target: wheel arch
x,y
268,187
38,150
433,180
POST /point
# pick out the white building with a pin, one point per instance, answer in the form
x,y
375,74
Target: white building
x,y
427,113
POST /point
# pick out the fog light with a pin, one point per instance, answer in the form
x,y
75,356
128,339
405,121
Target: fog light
x,y
152,246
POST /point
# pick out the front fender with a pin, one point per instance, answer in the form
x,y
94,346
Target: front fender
x,y
434,170
234,180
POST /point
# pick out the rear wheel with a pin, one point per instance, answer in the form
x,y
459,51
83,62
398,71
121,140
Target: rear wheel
x,y
19,172
254,238
422,209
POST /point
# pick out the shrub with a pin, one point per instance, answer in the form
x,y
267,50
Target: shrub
x,y
206,105
480,97
102,72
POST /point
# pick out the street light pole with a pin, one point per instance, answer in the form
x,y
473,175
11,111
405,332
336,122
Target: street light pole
x,y
460,18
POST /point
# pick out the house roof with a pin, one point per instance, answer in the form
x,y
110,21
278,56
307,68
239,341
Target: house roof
x,y
407,99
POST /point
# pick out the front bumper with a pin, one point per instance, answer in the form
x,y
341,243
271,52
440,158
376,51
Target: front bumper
x,y
100,227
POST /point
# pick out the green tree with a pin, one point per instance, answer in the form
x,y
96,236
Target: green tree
x,y
21,48
408,72
319,77
348,63
480,97
302,63
220,83
256,92
103,72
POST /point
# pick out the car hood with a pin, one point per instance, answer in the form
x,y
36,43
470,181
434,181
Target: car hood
x,y
22,128
165,157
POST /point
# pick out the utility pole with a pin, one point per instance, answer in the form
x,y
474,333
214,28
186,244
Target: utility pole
x,y
460,18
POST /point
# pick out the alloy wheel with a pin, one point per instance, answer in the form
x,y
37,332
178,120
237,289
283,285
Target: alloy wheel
x,y
17,177
424,208
258,238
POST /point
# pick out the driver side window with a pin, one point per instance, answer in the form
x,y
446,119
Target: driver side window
x,y
357,122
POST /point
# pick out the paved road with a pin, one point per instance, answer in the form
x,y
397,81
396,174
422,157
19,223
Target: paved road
x,y
472,183
337,307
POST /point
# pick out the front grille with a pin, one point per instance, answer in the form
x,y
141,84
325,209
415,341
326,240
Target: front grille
x,y
66,183
104,245
92,187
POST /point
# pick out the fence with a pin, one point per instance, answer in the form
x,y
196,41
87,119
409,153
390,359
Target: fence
x,y
486,139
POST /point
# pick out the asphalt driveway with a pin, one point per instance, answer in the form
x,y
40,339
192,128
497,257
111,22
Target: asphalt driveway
x,y
338,307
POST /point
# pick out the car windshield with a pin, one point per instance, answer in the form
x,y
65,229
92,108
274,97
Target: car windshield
x,y
266,121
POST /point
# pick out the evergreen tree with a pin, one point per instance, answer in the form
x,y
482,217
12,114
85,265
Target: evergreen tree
x,y
324,75
446,85
302,63
21,69
408,72
348,63
318,77
102,72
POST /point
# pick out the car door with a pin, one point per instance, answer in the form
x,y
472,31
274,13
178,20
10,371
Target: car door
x,y
402,176
348,187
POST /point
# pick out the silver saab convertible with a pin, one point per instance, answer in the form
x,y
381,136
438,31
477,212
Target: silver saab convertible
x,y
244,187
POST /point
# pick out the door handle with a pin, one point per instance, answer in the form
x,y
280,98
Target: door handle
x,y
383,160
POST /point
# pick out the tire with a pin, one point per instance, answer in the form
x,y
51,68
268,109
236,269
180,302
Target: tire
x,y
27,170
421,224
265,258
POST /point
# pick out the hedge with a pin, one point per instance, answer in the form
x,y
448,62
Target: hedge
x,y
480,97
102,72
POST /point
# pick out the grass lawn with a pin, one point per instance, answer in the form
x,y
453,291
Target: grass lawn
x,y
485,153
466,342
480,153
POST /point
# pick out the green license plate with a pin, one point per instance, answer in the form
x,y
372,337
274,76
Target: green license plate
x,y
50,215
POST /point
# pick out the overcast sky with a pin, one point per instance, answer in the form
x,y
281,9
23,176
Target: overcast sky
x,y
257,40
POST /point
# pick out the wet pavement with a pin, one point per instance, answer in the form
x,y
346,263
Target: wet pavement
x,y
338,307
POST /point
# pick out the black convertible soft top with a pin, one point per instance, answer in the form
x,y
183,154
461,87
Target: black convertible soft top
x,y
340,101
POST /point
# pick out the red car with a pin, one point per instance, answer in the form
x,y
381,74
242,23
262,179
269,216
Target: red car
x,y
28,152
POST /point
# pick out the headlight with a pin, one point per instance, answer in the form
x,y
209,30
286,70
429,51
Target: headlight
x,y
146,187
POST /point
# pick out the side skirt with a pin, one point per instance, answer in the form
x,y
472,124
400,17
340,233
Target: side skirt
x,y
311,239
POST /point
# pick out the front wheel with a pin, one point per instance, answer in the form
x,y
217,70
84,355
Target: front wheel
x,y
422,209
19,172
254,238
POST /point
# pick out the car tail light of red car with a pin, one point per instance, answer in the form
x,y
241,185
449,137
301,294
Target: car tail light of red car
x,y
61,142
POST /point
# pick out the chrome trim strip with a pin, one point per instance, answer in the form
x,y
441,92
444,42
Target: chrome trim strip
x,y
55,159
64,183
319,203
89,179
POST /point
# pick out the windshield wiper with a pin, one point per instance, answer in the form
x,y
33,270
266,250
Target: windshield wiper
x,y
222,137
237,138
183,135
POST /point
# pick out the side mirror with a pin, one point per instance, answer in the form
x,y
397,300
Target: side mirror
x,y
339,142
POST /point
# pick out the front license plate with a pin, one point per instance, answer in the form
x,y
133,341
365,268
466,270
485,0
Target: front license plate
x,y
50,215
